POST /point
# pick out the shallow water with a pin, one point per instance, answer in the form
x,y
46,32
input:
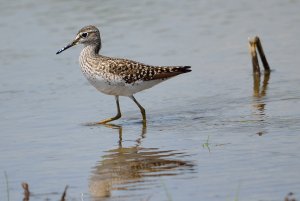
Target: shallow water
x,y
212,134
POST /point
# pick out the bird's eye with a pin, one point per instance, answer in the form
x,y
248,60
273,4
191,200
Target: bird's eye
x,y
84,35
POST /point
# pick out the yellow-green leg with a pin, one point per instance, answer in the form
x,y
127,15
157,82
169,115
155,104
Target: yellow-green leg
x,y
141,108
118,116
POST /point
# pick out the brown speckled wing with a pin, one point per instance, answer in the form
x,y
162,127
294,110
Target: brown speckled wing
x,y
132,71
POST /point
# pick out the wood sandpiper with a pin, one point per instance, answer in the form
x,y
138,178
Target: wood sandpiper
x,y
118,77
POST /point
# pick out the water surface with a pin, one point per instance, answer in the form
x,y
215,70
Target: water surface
x,y
211,134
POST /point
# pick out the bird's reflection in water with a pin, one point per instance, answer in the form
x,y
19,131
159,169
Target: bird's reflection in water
x,y
131,168
259,103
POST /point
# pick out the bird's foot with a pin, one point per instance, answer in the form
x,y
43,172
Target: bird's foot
x,y
118,116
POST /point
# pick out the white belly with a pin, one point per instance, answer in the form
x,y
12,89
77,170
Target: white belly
x,y
118,87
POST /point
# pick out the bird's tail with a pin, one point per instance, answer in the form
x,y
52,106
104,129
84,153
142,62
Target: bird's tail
x,y
170,71
184,69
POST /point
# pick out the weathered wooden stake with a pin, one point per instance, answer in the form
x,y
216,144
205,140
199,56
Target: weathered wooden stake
x,y
254,44
262,54
252,49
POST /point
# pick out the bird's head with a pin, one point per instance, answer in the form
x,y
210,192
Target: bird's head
x,y
88,35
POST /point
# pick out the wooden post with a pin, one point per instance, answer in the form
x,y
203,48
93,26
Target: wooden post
x,y
252,49
262,54
254,44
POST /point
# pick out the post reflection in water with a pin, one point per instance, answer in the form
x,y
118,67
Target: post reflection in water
x,y
259,103
131,168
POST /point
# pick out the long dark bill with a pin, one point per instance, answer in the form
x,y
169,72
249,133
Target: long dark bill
x,y
67,47
64,48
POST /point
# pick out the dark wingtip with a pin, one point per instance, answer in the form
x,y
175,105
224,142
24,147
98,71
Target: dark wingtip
x,y
186,69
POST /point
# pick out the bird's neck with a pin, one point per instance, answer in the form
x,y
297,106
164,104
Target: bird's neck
x,y
92,49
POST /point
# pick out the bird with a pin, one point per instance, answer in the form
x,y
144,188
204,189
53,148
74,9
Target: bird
x,y
117,76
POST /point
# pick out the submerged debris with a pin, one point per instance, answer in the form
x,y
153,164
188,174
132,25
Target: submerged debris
x,y
64,193
290,197
25,186
27,193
